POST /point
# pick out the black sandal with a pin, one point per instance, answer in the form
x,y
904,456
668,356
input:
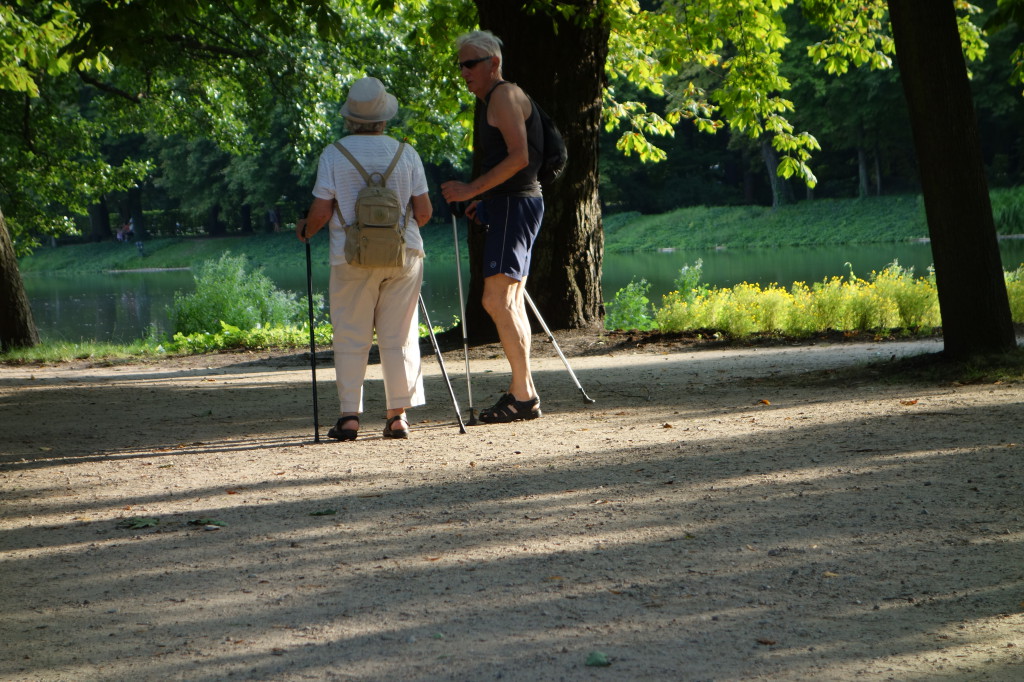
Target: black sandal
x,y
508,409
344,434
396,433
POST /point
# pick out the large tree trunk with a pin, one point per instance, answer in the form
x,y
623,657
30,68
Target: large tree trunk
x,y
214,225
564,73
99,221
862,172
968,271
135,212
246,218
17,328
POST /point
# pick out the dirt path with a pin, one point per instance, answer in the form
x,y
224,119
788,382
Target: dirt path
x,y
727,514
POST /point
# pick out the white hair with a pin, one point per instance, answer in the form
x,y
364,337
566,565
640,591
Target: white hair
x,y
486,41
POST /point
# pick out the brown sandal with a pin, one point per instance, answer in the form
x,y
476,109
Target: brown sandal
x,y
508,409
344,434
396,433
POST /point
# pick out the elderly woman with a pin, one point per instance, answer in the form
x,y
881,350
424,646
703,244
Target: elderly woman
x,y
367,299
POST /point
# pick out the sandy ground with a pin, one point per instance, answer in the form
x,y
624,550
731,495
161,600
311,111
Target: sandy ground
x,y
726,514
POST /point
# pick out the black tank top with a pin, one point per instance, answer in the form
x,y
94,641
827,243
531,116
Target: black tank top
x,y
493,150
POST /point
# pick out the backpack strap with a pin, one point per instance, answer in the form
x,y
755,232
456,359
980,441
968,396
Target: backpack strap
x,y
362,171
355,164
394,161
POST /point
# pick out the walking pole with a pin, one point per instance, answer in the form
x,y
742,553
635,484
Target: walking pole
x,y
440,361
558,350
462,313
312,338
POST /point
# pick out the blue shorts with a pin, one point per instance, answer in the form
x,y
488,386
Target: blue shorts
x,y
512,227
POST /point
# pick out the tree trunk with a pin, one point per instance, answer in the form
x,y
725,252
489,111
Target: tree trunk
x,y
214,225
878,172
968,271
246,218
17,328
862,172
135,212
561,65
99,221
781,193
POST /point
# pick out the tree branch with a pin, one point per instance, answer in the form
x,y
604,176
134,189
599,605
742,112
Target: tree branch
x,y
108,88
191,43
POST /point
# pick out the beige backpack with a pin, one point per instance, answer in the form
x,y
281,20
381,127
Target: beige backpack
x,y
376,238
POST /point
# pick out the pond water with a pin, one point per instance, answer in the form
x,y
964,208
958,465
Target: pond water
x,y
122,307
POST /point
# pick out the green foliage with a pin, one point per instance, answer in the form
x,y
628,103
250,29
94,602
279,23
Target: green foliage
x,y
890,299
33,42
719,62
688,282
1008,210
630,308
234,338
228,298
1010,12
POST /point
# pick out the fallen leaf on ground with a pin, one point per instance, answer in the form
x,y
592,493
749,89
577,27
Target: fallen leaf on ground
x,y
136,522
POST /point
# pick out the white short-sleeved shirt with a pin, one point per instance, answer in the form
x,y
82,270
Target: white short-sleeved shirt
x,y
337,178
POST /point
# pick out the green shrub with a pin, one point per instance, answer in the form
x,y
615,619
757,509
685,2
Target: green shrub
x,y
226,293
630,309
1008,210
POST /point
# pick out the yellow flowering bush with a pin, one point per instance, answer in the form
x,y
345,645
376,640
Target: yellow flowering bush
x,y
1015,290
890,299
916,300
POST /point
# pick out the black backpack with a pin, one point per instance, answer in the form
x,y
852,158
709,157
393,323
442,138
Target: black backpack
x,y
553,153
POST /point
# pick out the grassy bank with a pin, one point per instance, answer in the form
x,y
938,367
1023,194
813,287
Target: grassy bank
x,y
808,223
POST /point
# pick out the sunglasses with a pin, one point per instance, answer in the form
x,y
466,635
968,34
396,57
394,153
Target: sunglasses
x,y
470,63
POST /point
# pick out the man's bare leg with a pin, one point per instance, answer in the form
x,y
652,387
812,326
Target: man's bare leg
x,y
505,302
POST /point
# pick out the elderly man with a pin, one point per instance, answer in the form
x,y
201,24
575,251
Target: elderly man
x,y
510,140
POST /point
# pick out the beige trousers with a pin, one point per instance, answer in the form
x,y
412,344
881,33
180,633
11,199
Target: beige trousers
x,y
364,300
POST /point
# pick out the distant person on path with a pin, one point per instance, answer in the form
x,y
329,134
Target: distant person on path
x,y
509,138
368,299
